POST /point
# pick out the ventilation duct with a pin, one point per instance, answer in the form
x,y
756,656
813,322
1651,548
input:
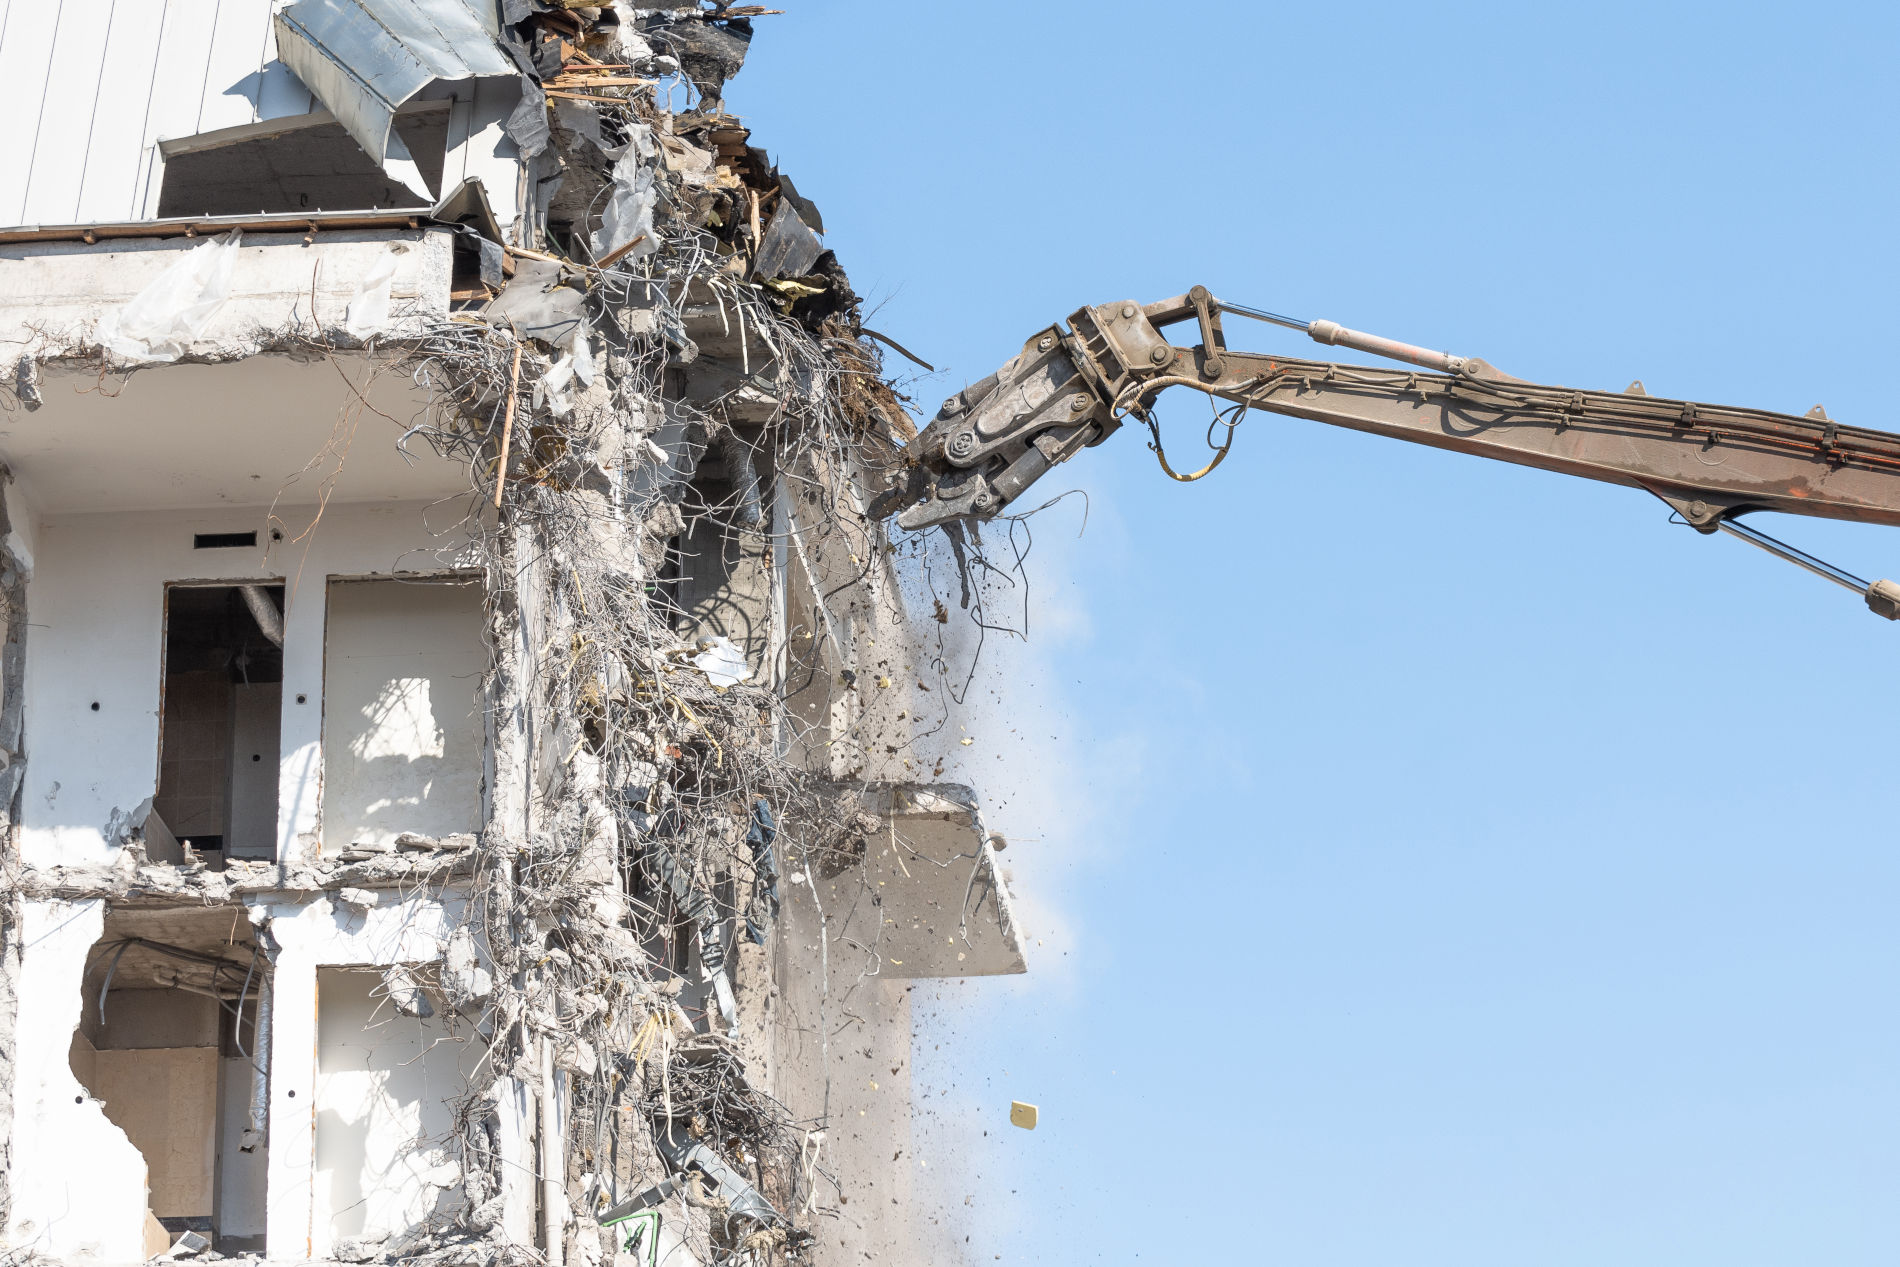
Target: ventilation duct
x,y
269,619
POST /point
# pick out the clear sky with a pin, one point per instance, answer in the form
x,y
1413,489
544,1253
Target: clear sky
x,y
1433,861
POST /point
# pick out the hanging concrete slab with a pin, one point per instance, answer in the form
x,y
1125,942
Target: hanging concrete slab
x,y
930,901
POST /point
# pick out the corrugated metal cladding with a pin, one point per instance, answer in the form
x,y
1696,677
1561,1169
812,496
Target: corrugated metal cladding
x,y
365,58
89,87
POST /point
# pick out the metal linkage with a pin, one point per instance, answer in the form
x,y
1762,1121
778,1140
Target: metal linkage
x,y
1883,597
1800,558
1271,318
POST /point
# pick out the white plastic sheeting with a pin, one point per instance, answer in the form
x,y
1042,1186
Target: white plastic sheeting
x,y
172,312
575,364
628,215
368,312
722,662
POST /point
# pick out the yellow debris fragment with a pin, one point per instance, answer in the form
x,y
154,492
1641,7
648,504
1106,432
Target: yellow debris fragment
x,y
1023,1115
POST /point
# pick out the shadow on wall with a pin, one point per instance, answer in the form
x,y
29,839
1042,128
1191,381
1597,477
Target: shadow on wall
x,y
402,722
401,751
386,1087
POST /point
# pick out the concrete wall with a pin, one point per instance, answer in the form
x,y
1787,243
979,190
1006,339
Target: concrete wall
x,y
402,711
306,1149
850,1051
96,604
56,292
78,1182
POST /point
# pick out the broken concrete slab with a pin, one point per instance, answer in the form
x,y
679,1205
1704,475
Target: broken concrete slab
x,y
932,901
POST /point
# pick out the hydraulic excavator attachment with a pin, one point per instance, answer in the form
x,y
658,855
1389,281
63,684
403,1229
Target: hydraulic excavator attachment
x,y
1073,386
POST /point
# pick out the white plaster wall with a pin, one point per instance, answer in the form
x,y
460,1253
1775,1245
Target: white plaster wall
x,y
78,1183
95,604
385,1122
402,712
313,935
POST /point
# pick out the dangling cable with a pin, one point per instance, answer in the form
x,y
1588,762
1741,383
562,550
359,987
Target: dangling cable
x,y
1129,402
1162,457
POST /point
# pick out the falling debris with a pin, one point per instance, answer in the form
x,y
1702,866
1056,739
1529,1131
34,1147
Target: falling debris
x,y
1023,1115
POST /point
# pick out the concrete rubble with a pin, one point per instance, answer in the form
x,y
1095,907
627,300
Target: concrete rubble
x,y
584,976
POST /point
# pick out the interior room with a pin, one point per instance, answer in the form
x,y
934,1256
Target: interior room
x,y
219,724
167,1041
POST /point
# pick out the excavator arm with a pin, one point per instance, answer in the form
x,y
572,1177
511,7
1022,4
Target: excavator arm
x,y
1072,387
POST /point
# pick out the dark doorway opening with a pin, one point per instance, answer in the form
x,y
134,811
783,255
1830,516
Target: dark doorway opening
x,y
218,728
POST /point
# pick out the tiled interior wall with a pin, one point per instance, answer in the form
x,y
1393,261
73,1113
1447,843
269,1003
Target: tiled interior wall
x,y
195,761
251,825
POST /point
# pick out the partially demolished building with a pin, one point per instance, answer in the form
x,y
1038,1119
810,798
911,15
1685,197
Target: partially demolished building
x,y
464,749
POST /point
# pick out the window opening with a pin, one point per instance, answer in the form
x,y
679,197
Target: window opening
x,y
394,1061
717,576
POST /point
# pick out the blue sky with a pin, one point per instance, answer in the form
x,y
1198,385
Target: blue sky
x,y
1434,861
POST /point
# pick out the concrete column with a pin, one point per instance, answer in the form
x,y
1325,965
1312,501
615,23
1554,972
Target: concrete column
x,y
293,1104
300,735
516,1111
